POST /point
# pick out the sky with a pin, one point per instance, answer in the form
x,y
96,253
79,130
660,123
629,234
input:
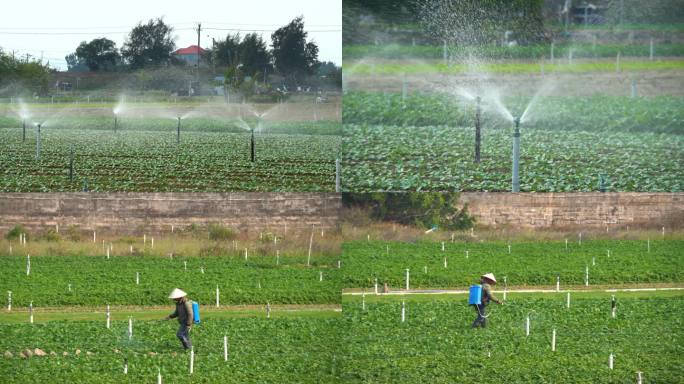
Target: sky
x,y
54,28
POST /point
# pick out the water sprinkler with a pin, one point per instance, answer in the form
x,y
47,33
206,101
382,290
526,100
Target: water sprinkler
x,y
252,145
478,126
116,121
178,130
23,127
516,157
38,141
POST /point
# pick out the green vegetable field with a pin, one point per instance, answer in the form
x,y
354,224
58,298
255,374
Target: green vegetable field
x,y
97,281
436,344
528,264
260,349
426,142
150,160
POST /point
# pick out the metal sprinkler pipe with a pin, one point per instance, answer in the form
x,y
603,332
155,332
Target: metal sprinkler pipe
x,y
116,122
23,130
178,130
252,146
478,126
516,157
38,141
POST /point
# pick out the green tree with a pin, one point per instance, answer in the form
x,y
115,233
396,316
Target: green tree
x,y
17,76
254,55
98,54
293,56
149,44
226,53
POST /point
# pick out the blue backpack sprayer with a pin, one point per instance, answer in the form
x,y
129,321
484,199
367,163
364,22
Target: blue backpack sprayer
x,y
475,298
195,312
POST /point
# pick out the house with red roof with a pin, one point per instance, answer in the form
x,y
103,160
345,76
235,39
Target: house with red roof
x,y
189,54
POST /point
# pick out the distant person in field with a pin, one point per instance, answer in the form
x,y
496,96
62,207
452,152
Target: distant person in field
x,y
184,314
486,280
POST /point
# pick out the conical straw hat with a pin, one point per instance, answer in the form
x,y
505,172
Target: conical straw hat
x,y
490,277
177,294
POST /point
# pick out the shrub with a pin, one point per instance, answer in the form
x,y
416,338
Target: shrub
x,y
13,234
219,232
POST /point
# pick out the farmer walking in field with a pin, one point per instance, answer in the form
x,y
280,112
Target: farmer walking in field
x,y
486,281
184,314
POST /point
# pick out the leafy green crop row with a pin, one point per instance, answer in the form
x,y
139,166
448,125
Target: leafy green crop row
x,y
436,344
536,263
96,281
580,50
152,161
438,158
261,350
390,68
663,114
217,125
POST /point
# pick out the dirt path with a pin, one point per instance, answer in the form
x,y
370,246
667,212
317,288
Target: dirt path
x,y
541,289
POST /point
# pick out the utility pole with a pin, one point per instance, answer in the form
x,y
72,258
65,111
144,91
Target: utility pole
x,y
199,30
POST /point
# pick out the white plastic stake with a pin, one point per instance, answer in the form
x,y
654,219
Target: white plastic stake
x,y
553,340
648,245
650,51
308,258
28,265
425,269
580,238
445,262
94,237
586,276
9,301
217,297
192,360
407,279
144,239
593,261
278,257
467,253
137,278
368,238
69,287
609,253
403,311
131,249
442,246
31,312
320,275
268,310
363,300
225,348
202,269
130,328
527,326
125,367
610,361
245,254
509,249
185,265
639,378
558,283
663,238
109,317
376,285
152,242
567,301
505,289
159,378
107,253
339,264
566,243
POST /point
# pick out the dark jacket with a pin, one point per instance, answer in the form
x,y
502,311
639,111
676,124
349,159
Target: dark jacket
x,y
183,312
487,295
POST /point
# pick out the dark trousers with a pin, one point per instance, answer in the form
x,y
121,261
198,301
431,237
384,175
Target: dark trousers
x,y
481,320
183,335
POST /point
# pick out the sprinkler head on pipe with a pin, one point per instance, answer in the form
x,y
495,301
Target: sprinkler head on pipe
x,y
517,127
